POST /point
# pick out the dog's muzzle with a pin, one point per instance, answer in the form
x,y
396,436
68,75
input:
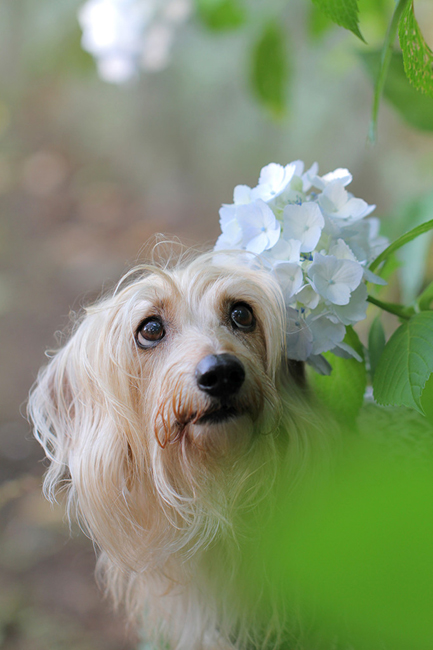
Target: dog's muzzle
x,y
220,375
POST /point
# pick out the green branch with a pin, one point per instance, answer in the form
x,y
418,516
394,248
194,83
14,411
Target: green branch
x,y
401,241
384,65
392,308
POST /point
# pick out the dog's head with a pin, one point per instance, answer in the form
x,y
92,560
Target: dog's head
x,y
162,413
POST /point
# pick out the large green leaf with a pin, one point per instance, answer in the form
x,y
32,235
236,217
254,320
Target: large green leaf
x,y
220,15
406,363
342,12
270,69
343,390
427,399
417,56
414,107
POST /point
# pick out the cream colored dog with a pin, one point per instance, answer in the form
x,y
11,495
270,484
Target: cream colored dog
x,y
169,417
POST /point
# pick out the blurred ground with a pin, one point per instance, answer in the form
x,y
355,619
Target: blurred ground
x,y
88,173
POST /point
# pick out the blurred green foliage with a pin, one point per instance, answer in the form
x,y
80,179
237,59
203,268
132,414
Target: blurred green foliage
x,y
354,553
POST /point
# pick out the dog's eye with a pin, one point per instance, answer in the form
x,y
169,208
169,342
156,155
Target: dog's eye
x,y
242,317
151,331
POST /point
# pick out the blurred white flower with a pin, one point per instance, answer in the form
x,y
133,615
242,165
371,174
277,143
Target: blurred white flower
x,y
303,222
126,35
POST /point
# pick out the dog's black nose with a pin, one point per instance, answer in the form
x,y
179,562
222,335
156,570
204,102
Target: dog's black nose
x,y
220,375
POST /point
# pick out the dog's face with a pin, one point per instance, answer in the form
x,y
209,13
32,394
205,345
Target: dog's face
x,y
161,413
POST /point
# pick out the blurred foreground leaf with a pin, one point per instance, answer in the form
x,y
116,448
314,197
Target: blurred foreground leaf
x,y
219,15
406,363
342,12
355,553
417,56
414,107
270,69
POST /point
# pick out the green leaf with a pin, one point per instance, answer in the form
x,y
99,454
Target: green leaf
x,y
342,12
270,69
417,56
406,363
414,107
427,400
219,15
401,241
376,344
318,23
343,390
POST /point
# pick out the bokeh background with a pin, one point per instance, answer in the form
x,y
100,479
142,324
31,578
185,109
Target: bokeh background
x,y
90,172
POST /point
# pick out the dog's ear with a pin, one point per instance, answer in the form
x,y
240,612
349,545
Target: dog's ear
x,y
51,408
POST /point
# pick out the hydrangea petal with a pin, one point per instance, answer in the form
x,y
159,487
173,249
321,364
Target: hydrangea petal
x,y
260,228
326,334
356,308
299,338
242,194
303,222
273,180
334,279
290,278
342,175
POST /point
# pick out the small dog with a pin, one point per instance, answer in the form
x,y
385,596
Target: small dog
x,y
169,417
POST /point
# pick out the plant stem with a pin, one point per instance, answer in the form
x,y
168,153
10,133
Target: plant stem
x,y
401,241
384,65
397,310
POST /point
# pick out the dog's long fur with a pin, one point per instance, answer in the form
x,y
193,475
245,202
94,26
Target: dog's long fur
x,y
172,503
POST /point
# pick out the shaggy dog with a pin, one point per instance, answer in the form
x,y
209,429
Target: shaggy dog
x,y
170,417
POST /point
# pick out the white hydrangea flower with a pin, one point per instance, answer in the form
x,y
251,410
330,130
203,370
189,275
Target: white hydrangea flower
x,y
334,279
317,244
290,278
273,180
250,226
354,311
326,334
284,251
337,203
299,338
340,174
303,222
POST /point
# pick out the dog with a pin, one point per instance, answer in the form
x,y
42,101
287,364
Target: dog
x,y
169,418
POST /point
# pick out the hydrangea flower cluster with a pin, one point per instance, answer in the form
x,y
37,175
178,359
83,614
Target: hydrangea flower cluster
x,y
313,235
126,35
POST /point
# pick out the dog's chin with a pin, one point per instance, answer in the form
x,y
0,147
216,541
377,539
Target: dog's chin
x,y
219,415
